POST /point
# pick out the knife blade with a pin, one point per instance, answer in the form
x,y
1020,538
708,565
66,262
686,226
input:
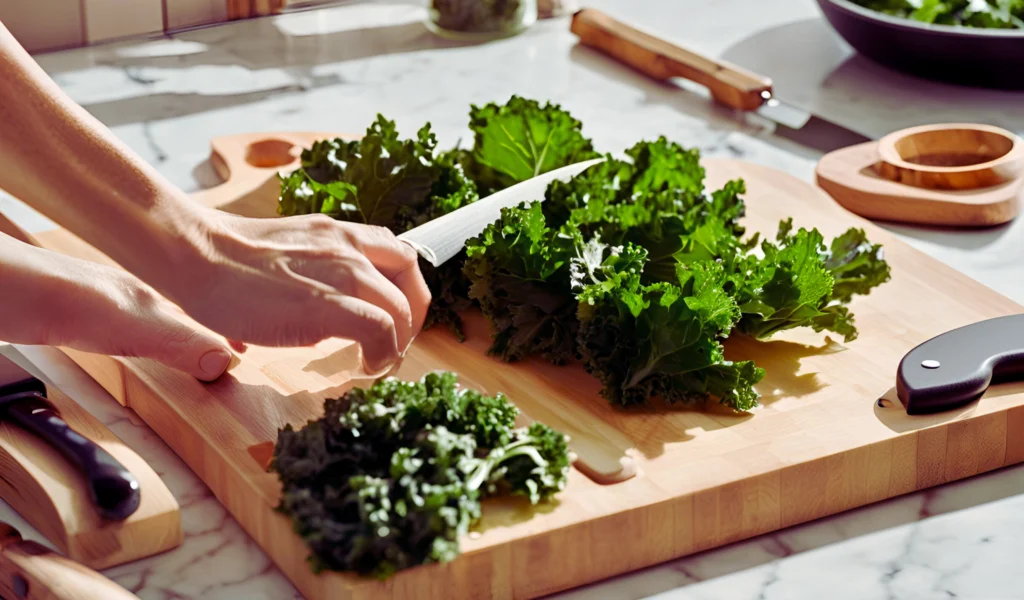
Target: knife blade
x,y
730,85
114,491
439,240
30,571
955,368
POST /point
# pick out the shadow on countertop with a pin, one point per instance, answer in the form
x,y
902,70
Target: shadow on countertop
x,y
255,45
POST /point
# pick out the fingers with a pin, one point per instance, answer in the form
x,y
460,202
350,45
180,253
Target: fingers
x,y
390,255
163,338
354,276
370,326
124,318
417,294
378,290
399,263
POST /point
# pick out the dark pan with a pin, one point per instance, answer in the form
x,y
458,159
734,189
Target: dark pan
x,y
991,58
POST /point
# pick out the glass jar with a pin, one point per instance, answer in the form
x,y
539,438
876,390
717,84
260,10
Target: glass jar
x,y
480,20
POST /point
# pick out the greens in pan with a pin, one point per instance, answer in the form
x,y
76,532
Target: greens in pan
x,y
991,14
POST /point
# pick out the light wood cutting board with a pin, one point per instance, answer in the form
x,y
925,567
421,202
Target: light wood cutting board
x,y
819,445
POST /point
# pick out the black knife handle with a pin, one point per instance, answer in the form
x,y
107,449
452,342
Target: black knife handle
x,y
114,490
955,368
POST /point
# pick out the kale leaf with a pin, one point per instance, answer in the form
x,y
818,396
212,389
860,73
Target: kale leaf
x,y
392,476
663,339
799,282
519,269
519,140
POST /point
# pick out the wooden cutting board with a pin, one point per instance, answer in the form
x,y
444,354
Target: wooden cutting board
x,y
820,444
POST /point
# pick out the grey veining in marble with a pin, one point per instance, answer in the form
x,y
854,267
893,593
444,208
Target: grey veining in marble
x,y
334,69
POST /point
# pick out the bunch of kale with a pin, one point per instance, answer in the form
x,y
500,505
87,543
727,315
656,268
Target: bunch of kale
x,y
631,267
393,475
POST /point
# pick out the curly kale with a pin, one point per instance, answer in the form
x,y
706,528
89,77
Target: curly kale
x,y
659,340
519,269
392,476
799,282
521,139
541,277
538,273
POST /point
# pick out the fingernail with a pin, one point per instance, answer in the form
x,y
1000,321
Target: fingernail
x,y
214,363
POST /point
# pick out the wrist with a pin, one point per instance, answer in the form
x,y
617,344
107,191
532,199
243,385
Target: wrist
x,y
171,247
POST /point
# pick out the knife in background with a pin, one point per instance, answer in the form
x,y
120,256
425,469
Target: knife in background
x,y
729,84
30,571
113,489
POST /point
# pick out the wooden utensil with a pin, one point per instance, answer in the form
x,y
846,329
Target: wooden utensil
x,y
957,174
30,571
729,85
662,60
703,478
52,495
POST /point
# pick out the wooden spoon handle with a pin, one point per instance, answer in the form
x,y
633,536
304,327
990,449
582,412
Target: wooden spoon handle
x,y
729,85
30,571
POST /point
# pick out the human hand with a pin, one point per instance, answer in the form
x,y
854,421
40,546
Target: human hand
x,y
296,281
50,299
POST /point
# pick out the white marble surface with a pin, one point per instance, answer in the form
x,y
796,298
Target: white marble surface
x,y
334,69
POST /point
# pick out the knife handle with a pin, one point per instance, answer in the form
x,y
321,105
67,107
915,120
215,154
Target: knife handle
x,y
114,490
30,571
955,368
729,85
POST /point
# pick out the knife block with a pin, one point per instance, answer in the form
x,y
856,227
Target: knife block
x,y
53,497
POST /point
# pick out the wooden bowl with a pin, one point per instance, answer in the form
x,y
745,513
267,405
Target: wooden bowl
x,y
956,174
951,157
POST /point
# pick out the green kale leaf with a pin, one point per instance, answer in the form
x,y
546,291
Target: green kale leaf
x,y
519,140
660,340
799,282
519,269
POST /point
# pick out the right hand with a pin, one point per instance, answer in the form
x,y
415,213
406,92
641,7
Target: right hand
x,y
295,281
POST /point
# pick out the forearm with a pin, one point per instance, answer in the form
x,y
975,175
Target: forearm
x,y
27,286
60,160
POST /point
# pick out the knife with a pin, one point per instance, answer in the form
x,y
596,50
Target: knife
x,y
955,368
730,85
441,239
30,571
113,489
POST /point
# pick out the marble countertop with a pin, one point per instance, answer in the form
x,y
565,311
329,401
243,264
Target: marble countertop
x,y
333,69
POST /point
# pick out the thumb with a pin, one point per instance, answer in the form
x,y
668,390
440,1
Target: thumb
x,y
160,336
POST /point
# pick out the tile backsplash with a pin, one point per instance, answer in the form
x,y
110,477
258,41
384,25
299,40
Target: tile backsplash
x,y
43,25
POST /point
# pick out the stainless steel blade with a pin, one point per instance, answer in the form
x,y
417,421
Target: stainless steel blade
x,y
806,129
439,240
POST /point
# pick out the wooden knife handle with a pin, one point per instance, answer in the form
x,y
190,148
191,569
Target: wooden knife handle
x,y
30,571
729,85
